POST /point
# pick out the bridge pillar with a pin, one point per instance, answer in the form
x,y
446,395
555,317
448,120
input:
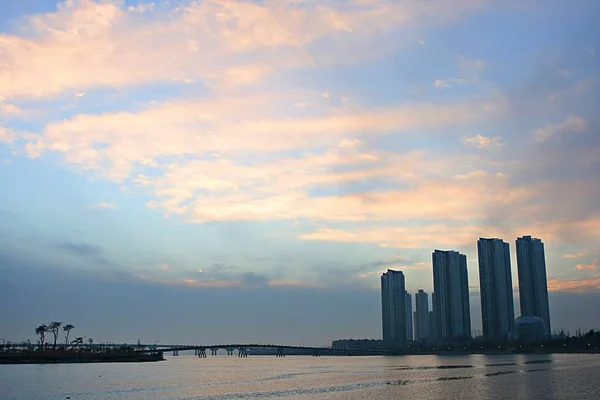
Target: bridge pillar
x,y
213,352
280,352
201,353
175,352
230,352
316,353
242,352
195,352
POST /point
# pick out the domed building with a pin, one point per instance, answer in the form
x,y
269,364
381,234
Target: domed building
x,y
529,329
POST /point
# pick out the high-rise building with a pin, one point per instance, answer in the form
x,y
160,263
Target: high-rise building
x,y
409,316
451,299
421,315
497,307
533,284
393,308
432,328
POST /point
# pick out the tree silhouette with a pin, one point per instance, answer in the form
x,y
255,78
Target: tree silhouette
x,y
77,342
54,327
67,328
41,331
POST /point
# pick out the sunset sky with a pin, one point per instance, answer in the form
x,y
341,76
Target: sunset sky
x,y
261,159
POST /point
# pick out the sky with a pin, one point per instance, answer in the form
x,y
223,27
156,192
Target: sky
x,y
245,170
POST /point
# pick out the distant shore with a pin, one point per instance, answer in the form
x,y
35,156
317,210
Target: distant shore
x,y
490,352
57,357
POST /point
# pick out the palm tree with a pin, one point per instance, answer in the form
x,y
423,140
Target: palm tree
x,y
41,331
54,327
91,341
67,328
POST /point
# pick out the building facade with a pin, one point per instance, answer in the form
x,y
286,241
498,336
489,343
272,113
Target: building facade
x,y
451,300
409,316
421,315
432,328
495,281
533,283
393,309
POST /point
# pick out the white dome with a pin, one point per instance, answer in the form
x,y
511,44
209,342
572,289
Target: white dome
x,y
529,329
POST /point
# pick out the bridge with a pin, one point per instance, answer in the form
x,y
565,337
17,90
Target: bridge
x,y
242,349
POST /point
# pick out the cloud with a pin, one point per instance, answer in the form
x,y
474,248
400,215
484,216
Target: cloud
x,y
565,73
594,265
404,237
103,206
200,283
90,44
578,255
82,249
574,285
471,68
418,266
246,280
252,279
114,142
6,135
8,109
571,124
484,141
283,200
141,8
590,50
450,230
440,84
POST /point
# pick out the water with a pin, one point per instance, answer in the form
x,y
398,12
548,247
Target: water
x,y
228,378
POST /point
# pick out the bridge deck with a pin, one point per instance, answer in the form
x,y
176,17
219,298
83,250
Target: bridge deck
x,y
246,346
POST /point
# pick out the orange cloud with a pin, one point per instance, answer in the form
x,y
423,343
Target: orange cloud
x,y
9,109
574,285
459,199
88,44
578,255
116,142
428,236
589,267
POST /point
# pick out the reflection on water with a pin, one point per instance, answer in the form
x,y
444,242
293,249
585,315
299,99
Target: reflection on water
x,y
537,361
475,375
434,367
410,377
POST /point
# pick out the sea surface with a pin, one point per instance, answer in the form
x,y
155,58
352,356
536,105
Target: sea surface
x,y
296,377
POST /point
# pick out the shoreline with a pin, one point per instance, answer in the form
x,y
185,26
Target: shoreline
x,y
52,357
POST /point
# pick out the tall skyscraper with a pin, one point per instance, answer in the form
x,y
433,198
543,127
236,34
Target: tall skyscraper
x,y
451,300
432,320
533,284
409,316
432,328
497,307
393,308
421,315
